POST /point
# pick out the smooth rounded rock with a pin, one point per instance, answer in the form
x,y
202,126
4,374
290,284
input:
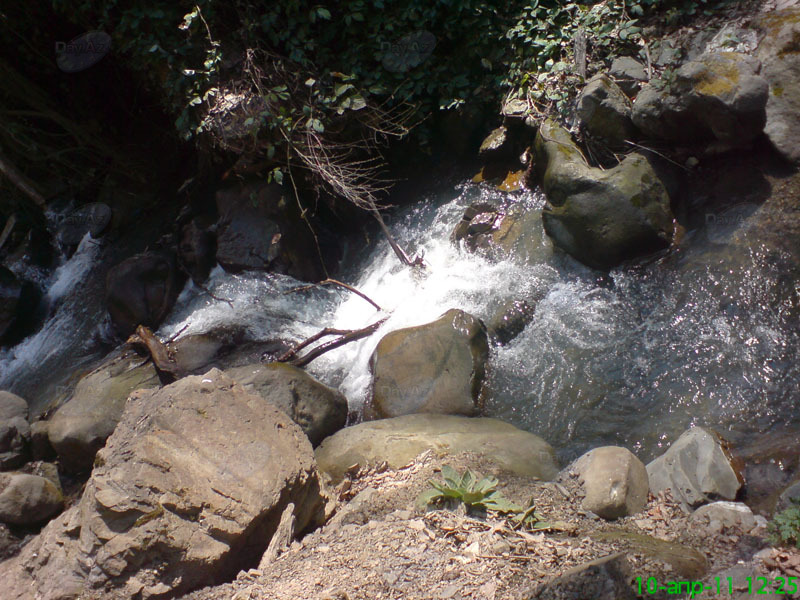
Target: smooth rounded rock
x,y
614,481
723,515
398,441
12,406
28,499
438,367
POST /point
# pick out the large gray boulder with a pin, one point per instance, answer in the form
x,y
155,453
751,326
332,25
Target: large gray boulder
x,y
604,111
717,97
319,410
15,432
780,59
438,367
628,73
28,499
697,468
12,406
80,427
600,217
187,492
614,482
398,441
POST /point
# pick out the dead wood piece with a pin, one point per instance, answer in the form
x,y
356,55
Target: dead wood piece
x,y
159,352
339,284
345,337
280,539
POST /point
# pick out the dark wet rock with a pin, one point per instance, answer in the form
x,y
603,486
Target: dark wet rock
x,y
15,437
717,97
141,290
10,294
399,440
28,499
499,145
41,448
510,320
629,74
614,482
80,427
92,218
177,499
197,248
779,52
319,410
602,579
697,468
600,217
260,228
438,367
604,111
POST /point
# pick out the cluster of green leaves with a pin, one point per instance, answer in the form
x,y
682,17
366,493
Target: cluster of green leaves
x,y
484,50
784,529
477,494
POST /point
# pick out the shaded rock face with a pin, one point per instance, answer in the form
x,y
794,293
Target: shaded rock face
x,y
601,218
438,367
605,111
188,490
141,290
319,410
614,480
628,73
779,52
510,320
603,579
719,96
18,302
15,432
397,441
197,249
92,218
28,499
697,468
81,426
260,228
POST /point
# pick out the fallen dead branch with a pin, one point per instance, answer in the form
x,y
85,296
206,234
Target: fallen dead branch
x,y
345,336
159,353
339,284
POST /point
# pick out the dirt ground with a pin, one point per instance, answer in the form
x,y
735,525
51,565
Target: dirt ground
x,y
381,544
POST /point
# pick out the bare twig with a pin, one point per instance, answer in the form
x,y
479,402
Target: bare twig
x,y
337,283
345,337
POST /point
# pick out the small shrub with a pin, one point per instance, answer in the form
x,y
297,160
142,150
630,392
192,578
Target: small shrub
x,y
784,529
480,494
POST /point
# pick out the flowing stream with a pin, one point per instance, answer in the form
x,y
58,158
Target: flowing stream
x,y
701,336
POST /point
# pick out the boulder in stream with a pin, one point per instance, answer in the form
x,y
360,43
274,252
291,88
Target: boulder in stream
x,y
600,217
142,289
605,111
438,367
15,432
187,492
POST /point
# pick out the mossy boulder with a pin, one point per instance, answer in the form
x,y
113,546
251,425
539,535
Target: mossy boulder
x,y
780,55
604,111
600,217
438,367
718,97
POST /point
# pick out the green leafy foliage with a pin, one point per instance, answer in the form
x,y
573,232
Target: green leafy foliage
x,y
784,529
477,494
